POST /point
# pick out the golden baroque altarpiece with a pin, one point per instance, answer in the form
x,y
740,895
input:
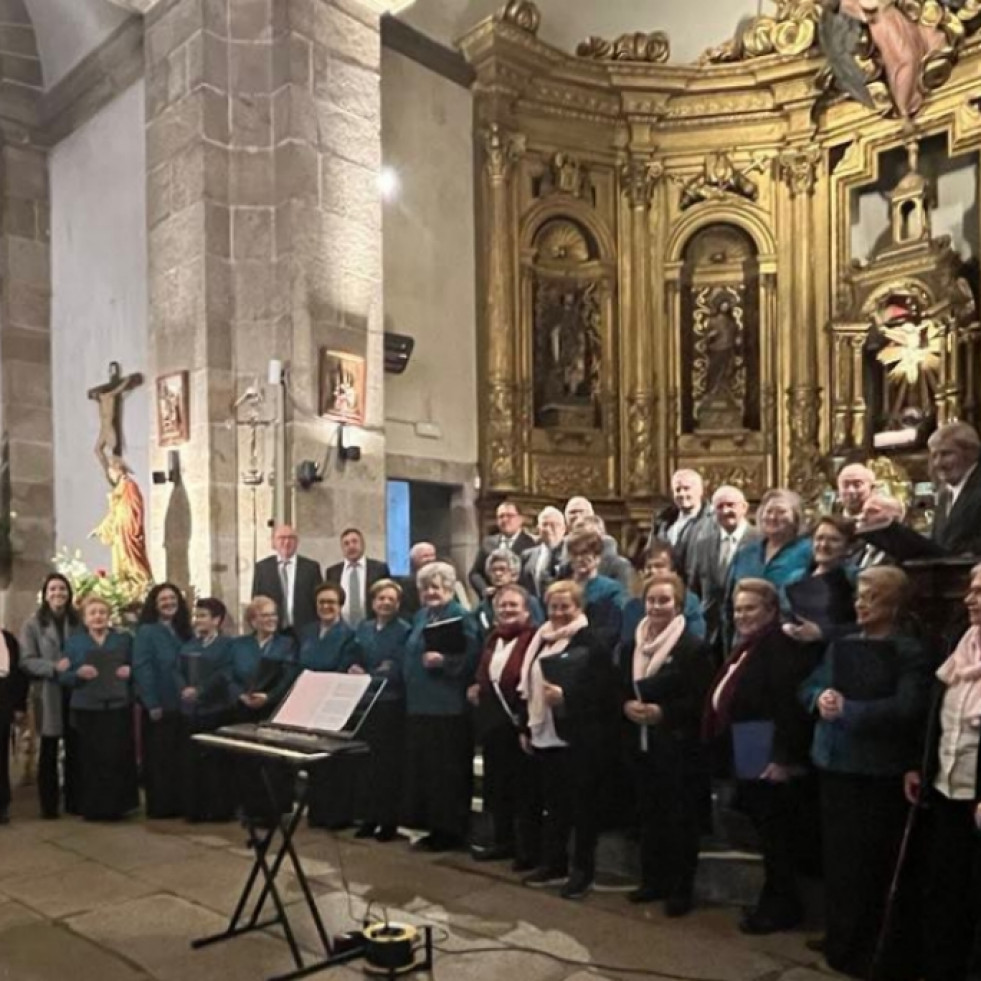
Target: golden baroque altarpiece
x,y
665,254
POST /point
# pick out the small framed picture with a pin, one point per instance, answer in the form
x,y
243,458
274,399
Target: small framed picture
x,y
342,386
172,404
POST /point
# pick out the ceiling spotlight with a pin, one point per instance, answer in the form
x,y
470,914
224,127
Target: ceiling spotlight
x,y
388,183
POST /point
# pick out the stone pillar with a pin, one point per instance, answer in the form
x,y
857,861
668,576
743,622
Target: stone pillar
x,y
799,170
501,466
264,149
639,467
26,446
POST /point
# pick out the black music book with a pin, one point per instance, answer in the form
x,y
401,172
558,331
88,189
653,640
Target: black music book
x,y
901,543
446,637
564,670
828,600
105,686
200,673
864,670
267,676
752,748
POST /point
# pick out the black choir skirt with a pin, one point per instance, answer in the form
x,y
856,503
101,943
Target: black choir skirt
x,y
207,777
108,781
439,773
162,741
379,794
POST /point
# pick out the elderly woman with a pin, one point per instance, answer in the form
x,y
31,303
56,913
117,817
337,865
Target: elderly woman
x,y
659,560
262,662
204,670
949,783
603,598
502,568
571,726
381,641
862,748
439,740
96,669
665,683
753,702
331,645
509,776
165,624
42,643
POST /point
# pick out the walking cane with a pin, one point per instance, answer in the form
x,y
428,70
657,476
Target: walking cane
x,y
880,943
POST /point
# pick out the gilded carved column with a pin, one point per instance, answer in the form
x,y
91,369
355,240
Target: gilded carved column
x,y
503,440
799,170
639,176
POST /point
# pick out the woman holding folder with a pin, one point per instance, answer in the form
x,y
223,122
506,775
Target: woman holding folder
x,y
96,669
509,778
753,708
869,696
262,662
666,674
569,686
165,624
441,654
381,641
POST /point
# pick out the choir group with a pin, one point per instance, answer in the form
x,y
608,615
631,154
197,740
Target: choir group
x,y
786,659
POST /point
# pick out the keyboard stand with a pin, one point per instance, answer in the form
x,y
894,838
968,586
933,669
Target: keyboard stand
x,y
269,858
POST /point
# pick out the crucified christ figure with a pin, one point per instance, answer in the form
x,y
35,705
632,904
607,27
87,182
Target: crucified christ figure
x,y
109,398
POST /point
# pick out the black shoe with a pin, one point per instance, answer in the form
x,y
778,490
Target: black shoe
x,y
365,830
523,864
815,944
4,814
387,832
759,924
542,878
437,842
646,894
490,853
577,887
676,906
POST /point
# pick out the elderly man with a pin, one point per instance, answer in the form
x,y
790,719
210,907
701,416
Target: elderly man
x,y
712,551
576,508
357,574
681,522
879,509
540,564
954,450
855,483
510,535
289,579
420,555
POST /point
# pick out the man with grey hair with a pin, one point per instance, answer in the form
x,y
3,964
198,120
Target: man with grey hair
x,y
576,508
712,552
954,450
540,564
855,484
422,554
681,523
879,509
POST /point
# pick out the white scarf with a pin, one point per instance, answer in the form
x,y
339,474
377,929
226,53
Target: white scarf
x,y
650,654
547,642
963,667
4,657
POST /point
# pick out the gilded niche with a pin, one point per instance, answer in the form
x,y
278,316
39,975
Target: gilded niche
x,y
566,175
720,333
567,328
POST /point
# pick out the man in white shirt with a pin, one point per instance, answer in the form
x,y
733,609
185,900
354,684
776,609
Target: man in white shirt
x,y
679,524
954,450
540,565
855,483
356,574
879,509
289,579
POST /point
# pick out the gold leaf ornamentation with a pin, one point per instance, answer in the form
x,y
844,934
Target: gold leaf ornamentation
x,y
522,14
653,48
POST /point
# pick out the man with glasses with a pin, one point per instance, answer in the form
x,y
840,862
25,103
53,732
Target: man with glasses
x,y
510,535
289,579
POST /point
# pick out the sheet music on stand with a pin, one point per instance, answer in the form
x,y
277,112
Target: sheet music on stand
x,y
322,701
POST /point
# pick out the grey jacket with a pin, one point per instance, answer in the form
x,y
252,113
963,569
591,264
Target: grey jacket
x,y
40,650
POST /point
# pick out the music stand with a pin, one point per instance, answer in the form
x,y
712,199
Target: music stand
x,y
264,830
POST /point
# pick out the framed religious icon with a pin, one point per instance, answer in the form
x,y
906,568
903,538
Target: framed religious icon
x,y
172,405
342,386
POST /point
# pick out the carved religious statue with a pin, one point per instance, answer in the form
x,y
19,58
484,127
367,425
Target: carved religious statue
x,y
122,529
109,398
718,361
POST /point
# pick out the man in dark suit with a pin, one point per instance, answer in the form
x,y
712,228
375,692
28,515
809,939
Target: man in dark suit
x,y
356,574
682,522
509,535
879,509
289,579
954,450
711,553
540,564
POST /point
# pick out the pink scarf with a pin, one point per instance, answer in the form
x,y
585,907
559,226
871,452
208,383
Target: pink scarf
x,y
651,653
963,667
548,642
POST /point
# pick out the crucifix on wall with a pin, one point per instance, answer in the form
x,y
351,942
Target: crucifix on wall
x,y
109,397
